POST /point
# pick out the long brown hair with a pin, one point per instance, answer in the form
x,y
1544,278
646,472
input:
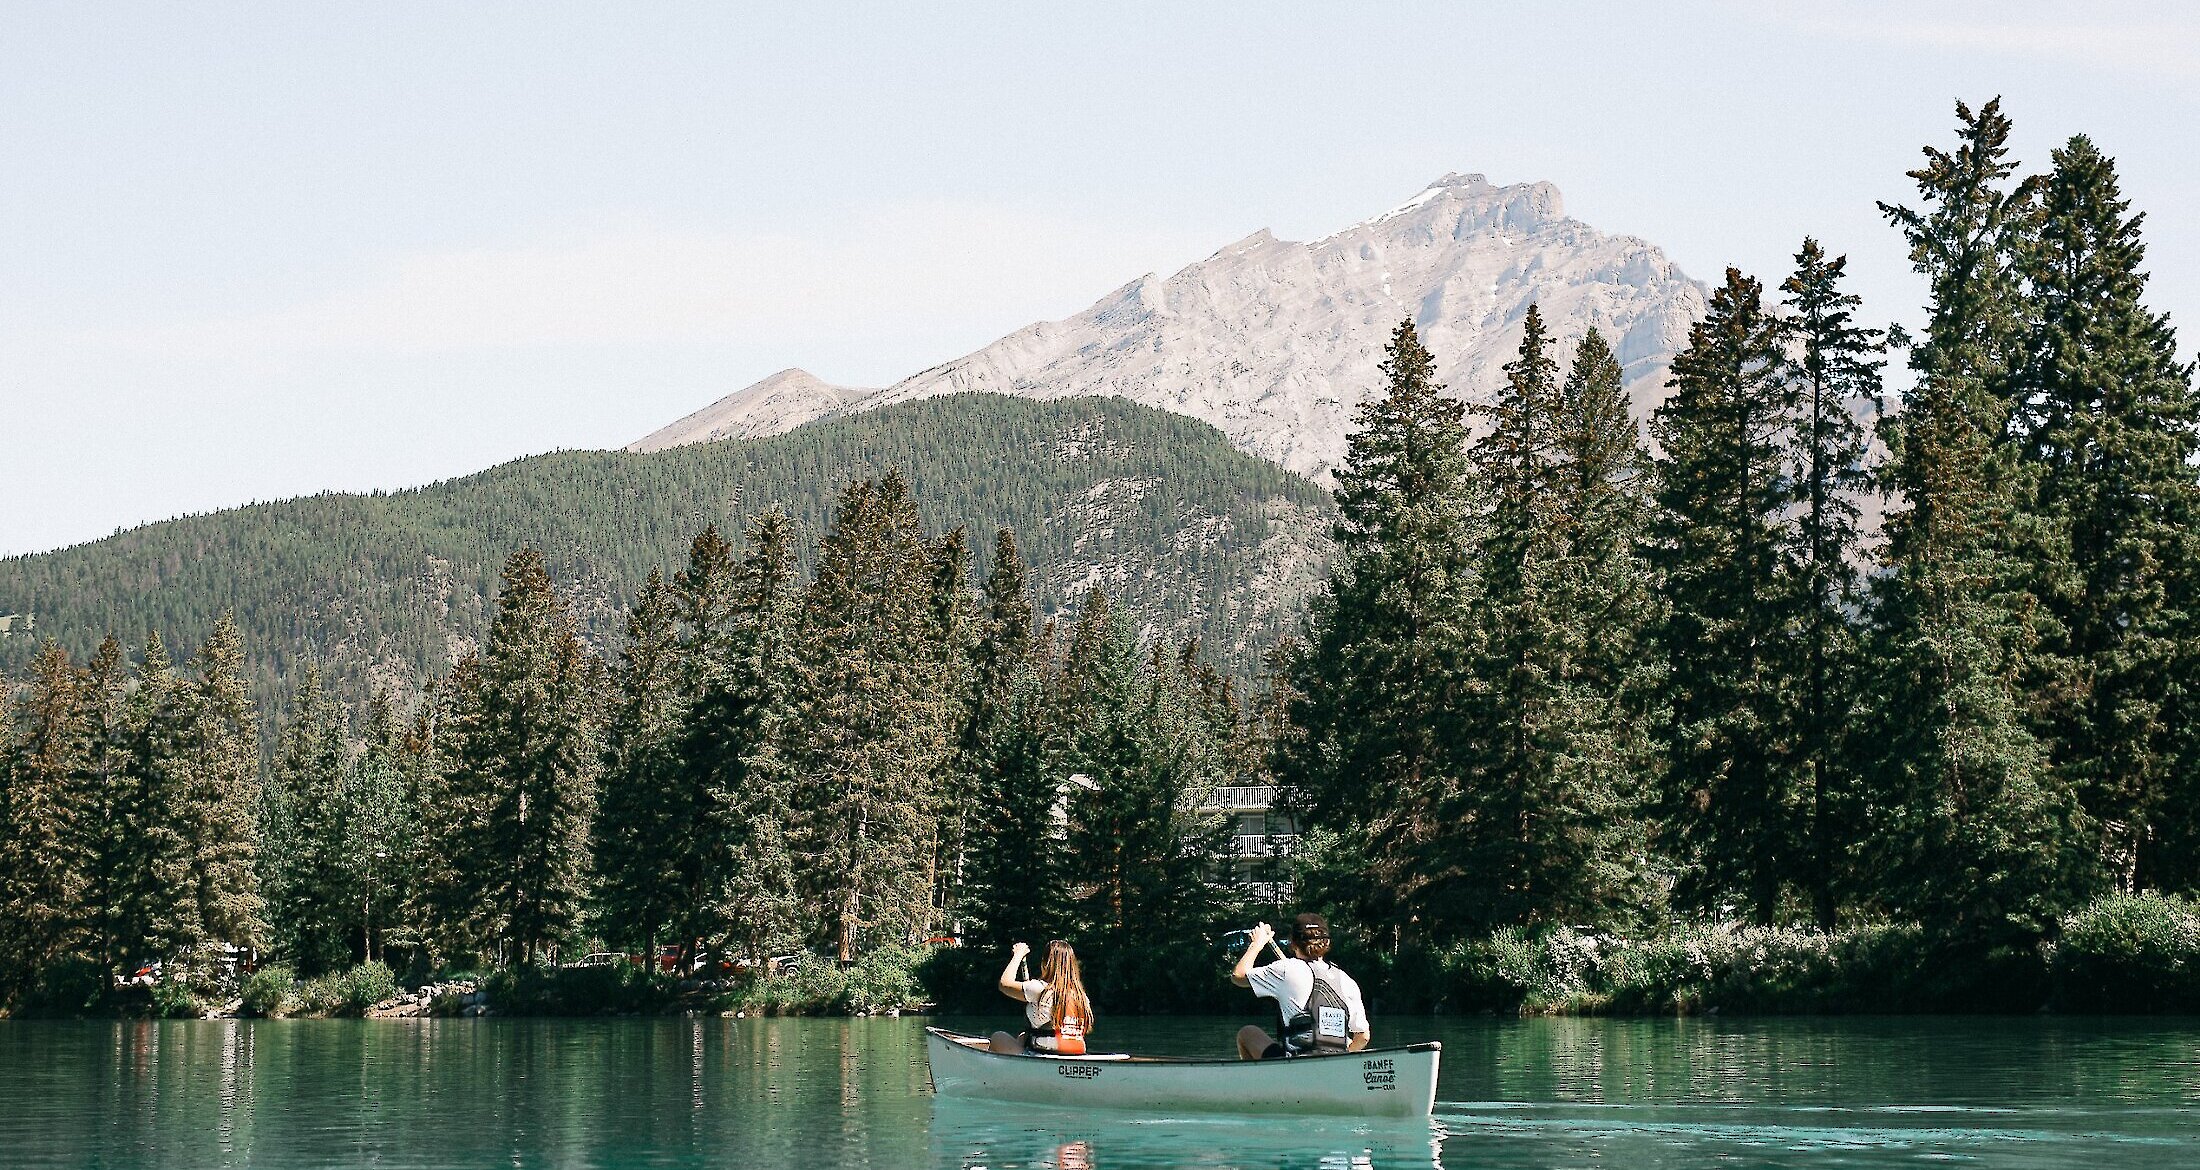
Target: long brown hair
x,y
1066,984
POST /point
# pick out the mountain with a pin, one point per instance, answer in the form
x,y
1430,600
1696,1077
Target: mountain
x,y
774,406
1276,343
1193,535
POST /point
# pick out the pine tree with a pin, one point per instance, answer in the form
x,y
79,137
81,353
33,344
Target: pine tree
x,y
155,912
746,726
1534,829
691,840
107,800
308,881
379,811
1011,870
638,897
875,721
703,590
1016,886
1375,685
2108,419
528,754
44,865
1973,832
1603,595
1143,856
1004,639
955,630
1737,819
1838,366
447,914
218,812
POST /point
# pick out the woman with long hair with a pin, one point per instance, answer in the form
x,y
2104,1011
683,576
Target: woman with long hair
x,y
1055,1006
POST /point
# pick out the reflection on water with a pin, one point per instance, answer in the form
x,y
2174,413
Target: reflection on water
x,y
421,1095
968,1135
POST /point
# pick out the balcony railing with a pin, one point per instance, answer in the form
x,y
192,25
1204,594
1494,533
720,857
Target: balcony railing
x,y
1247,798
1262,844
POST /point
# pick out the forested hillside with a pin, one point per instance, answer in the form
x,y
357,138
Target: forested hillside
x,y
1191,535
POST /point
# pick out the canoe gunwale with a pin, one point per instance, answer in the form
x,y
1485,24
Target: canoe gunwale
x,y
981,1046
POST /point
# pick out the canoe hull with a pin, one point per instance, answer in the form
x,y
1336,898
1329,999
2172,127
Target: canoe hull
x,y
1389,1082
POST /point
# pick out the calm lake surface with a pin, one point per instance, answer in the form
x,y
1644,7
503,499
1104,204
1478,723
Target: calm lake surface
x,y
2112,1094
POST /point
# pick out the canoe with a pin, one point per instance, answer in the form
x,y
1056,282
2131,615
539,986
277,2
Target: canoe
x,y
1377,1082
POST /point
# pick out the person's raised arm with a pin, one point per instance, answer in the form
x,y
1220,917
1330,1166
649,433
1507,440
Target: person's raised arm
x,y
1262,935
1011,986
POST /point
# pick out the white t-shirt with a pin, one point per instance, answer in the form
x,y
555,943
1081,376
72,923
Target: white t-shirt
x,y
1038,1006
1290,982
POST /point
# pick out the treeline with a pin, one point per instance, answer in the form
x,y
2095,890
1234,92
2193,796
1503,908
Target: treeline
x,y
864,756
380,587
1561,680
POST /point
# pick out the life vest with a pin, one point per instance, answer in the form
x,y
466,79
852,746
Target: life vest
x,y
1324,1027
1068,1034
1069,1037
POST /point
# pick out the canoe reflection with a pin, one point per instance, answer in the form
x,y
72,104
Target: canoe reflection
x,y
968,1135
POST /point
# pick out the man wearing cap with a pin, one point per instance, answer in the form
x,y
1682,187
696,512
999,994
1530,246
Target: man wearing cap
x,y
1291,983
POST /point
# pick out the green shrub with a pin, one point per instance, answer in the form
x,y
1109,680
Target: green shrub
x,y
2130,953
620,989
322,995
885,978
367,985
266,990
348,994
172,1000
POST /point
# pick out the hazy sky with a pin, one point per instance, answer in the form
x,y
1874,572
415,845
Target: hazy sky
x,y
249,252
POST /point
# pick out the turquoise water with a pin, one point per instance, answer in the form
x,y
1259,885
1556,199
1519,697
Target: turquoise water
x,y
846,1093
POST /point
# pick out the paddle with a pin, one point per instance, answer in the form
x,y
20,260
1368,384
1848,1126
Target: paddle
x,y
1247,934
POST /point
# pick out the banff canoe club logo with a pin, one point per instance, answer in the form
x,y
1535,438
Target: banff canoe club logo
x,y
1380,1075
1082,1072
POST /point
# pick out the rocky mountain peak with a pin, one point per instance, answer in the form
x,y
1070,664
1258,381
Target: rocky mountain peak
x,y
1276,342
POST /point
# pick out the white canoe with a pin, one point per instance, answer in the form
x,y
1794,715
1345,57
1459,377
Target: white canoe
x,y
1379,1082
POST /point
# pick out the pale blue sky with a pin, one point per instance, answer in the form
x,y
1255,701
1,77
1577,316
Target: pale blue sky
x,y
253,251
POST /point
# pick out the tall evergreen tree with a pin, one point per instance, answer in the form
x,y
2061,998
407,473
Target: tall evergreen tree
x,y
527,754
2108,419
638,896
954,635
44,863
1011,874
1735,811
106,801
308,874
446,915
1016,884
1535,826
1838,366
876,721
380,810
1974,832
1375,684
152,914
1142,853
221,799
747,726
1604,597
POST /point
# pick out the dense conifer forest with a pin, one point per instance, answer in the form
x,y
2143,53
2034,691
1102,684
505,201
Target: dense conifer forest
x,y
387,588
1593,711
